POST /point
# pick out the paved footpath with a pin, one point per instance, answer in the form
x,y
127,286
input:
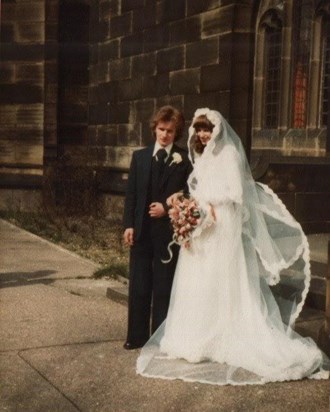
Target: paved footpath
x,y
61,343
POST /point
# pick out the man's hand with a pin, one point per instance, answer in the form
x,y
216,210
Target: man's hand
x,y
156,209
129,236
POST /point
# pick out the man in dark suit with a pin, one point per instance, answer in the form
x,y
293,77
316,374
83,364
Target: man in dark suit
x,y
156,172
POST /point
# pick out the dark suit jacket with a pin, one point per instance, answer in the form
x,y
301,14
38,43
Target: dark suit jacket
x,y
137,194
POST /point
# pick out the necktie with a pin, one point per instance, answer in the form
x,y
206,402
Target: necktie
x,y
158,165
161,155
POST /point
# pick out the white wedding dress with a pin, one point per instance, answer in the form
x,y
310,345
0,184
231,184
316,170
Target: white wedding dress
x,y
224,324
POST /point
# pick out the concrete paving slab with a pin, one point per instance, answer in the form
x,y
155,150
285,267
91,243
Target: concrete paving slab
x,y
101,377
25,256
24,389
40,315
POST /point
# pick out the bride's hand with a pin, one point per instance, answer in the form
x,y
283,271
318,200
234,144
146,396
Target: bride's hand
x,y
213,213
171,199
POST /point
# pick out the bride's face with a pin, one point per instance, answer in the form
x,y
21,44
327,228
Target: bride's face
x,y
204,135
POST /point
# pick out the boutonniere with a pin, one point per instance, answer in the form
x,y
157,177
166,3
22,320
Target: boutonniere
x,y
176,158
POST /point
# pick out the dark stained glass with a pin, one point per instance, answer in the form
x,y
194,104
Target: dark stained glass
x,y
303,17
273,71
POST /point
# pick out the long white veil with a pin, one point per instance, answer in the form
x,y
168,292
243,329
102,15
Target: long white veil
x,y
281,247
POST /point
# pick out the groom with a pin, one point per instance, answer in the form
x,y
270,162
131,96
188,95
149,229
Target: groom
x,y
156,172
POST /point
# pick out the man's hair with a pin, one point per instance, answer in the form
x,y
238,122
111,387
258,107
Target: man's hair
x,y
169,114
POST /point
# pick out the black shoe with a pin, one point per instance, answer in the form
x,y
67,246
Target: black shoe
x,y
130,346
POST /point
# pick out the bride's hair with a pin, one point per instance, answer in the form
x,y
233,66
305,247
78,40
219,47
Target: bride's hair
x,y
201,122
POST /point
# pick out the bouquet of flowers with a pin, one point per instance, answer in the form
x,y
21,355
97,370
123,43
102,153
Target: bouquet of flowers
x,y
185,216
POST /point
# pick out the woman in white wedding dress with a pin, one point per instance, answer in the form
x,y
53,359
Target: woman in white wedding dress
x,y
242,282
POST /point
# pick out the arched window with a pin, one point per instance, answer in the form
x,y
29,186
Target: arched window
x,y
302,29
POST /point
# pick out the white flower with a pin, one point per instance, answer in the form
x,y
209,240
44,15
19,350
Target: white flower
x,y
176,158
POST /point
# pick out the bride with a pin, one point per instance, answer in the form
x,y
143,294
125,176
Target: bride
x,y
242,282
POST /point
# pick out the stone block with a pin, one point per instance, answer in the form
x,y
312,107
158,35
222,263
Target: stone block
x,y
144,17
176,101
28,135
110,181
241,73
7,32
51,32
8,11
308,207
104,9
130,89
239,103
120,69
216,77
226,47
50,116
218,21
31,11
7,150
146,136
119,113
185,31
98,114
119,157
132,45
30,114
142,110
121,25
196,7
20,93
241,47
76,54
7,72
14,197
170,59
202,53
107,135
51,72
51,51
127,5
29,153
156,86
185,81
242,17
22,52
107,92
155,38
33,73
51,10
73,113
129,134
103,72
92,134
144,65
102,31
168,11
217,100
31,32
109,50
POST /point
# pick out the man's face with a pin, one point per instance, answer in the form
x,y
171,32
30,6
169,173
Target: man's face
x,y
165,133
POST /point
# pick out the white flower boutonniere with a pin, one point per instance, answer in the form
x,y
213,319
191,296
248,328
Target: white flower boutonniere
x,y
176,158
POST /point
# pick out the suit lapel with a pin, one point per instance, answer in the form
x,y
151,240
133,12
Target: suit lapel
x,y
147,165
